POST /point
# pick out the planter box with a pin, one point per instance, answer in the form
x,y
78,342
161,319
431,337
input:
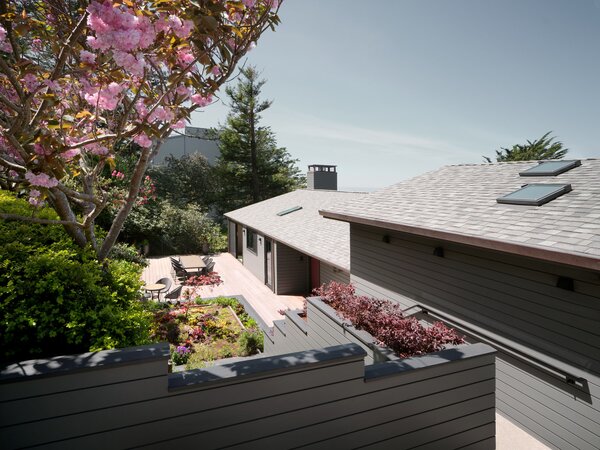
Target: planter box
x,y
322,328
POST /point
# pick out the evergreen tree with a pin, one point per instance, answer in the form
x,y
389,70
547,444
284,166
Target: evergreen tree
x,y
542,148
251,166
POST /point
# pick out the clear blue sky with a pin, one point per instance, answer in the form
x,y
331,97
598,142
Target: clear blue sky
x,y
390,89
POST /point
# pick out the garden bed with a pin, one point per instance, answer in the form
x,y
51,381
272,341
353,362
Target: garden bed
x,y
205,330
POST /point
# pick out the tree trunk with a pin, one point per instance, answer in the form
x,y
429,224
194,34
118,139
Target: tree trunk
x,y
254,160
134,189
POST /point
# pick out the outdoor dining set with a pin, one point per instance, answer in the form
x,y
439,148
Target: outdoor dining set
x,y
182,268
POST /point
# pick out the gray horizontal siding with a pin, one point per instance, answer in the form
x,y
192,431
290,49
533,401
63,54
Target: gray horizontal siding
x,y
510,297
291,270
320,398
329,273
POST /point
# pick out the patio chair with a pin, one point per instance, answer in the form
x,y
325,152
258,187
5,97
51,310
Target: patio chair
x,y
178,270
206,259
167,282
210,266
174,294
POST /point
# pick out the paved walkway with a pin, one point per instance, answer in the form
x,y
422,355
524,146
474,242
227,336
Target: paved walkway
x,y
237,280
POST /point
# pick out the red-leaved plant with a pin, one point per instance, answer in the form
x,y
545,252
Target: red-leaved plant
x,y
385,321
211,279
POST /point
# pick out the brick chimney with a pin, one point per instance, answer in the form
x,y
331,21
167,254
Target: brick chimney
x,y
322,176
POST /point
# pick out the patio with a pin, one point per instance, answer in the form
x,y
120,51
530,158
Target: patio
x,y
237,280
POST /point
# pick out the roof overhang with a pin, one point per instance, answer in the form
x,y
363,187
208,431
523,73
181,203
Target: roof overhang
x,y
572,259
301,250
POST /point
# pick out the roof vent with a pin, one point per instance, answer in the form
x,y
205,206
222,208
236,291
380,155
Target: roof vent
x,y
535,194
550,168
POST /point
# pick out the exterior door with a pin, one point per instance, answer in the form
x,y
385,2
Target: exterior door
x,y
315,273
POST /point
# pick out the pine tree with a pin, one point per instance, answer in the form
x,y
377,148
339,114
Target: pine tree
x,y
251,167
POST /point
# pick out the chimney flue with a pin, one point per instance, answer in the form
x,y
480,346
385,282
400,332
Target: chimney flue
x,y
322,176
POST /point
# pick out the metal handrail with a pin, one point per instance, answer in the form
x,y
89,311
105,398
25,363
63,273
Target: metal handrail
x,y
557,372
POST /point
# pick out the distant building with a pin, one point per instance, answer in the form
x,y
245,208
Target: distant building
x,y
194,140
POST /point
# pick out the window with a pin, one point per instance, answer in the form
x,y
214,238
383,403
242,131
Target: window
x,y
289,210
535,194
550,168
251,239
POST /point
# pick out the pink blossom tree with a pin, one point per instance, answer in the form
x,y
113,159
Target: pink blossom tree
x,y
80,80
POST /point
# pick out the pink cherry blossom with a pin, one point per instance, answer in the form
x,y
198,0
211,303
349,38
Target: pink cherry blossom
x,y
179,124
105,98
216,71
41,179
142,140
200,100
185,56
70,154
2,33
31,82
134,65
34,198
87,57
183,91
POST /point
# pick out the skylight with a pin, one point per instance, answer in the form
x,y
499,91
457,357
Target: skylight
x,y
550,168
289,210
535,194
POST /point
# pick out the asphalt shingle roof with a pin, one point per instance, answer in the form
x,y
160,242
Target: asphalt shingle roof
x,y
461,200
305,230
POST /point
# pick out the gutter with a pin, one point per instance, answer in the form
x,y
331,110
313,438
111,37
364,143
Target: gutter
x,y
572,259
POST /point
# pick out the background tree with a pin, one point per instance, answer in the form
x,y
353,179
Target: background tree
x,y
185,180
251,167
542,148
80,79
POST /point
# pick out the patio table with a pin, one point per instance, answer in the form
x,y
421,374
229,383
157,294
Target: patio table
x,y
154,287
192,263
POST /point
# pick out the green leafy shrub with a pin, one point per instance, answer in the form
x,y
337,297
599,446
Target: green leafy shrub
x,y
127,252
56,298
251,341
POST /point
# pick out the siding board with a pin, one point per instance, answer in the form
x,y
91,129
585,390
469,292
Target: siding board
x,y
328,273
515,298
468,302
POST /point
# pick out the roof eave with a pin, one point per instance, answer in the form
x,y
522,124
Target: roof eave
x,y
563,257
295,247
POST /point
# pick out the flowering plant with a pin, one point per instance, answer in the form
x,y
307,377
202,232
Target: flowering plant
x,y
82,81
385,321
211,279
181,355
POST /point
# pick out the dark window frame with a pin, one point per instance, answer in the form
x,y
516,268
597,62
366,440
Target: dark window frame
x,y
568,165
251,240
561,188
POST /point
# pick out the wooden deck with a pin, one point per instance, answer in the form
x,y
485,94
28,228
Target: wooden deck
x,y
237,280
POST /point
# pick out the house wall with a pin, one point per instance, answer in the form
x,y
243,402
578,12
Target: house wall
x,y
329,273
255,261
179,146
515,300
291,270
323,398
